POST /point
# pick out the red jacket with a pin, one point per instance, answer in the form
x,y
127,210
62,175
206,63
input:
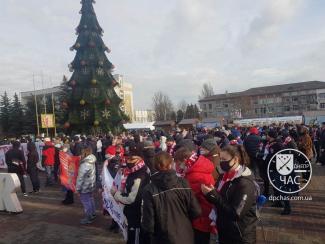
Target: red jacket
x,y
201,173
48,154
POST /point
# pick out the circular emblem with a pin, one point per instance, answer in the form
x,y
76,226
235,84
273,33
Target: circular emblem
x,y
289,171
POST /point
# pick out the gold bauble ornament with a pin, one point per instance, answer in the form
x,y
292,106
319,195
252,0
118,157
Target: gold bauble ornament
x,y
82,102
94,81
96,123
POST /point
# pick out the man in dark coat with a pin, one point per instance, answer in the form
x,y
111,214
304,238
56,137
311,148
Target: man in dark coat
x,y
169,205
252,145
16,163
322,145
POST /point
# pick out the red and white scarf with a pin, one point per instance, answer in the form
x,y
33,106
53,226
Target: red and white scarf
x,y
128,171
188,164
171,149
230,176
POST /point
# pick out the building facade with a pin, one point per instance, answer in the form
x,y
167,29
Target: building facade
x,y
144,116
270,101
125,91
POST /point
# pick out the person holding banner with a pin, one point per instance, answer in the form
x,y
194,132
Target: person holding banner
x,y
86,184
135,178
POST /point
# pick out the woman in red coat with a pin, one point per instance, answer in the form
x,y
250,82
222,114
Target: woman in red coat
x,y
198,170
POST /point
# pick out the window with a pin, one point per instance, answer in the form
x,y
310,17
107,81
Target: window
x,y
322,105
204,106
321,95
295,107
210,106
225,105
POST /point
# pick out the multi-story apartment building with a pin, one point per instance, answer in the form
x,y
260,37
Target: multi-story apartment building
x,y
125,91
269,101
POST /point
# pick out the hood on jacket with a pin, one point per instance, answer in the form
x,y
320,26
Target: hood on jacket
x,y
90,159
165,179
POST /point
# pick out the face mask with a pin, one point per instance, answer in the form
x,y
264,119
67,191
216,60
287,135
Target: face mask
x,y
203,152
224,165
129,165
65,149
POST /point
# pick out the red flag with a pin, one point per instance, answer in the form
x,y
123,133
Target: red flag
x,y
69,166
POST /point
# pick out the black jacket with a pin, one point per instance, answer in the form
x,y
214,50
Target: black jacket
x,y
132,197
322,139
12,156
169,205
236,210
252,145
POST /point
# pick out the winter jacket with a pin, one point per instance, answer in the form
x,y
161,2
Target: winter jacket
x,y
32,161
236,209
201,173
13,157
252,145
148,155
86,181
132,196
305,145
48,154
322,139
169,205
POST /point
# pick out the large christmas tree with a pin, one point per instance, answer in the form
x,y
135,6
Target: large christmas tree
x,y
89,100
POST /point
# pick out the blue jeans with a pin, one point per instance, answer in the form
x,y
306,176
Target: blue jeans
x,y
49,175
87,200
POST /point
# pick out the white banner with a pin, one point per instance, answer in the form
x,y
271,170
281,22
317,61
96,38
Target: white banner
x,y
114,208
3,150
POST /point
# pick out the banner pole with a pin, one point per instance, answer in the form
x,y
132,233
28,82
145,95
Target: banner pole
x,y
36,109
47,129
53,110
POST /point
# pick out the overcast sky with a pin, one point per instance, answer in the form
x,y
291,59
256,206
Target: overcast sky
x,y
169,45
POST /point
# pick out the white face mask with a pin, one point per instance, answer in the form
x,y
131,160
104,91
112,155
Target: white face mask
x,y
65,149
203,152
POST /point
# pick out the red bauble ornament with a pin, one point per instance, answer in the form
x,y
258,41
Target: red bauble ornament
x,y
83,62
66,125
73,83
108,102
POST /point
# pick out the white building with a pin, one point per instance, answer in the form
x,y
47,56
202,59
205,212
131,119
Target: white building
x,y
125,91
143,116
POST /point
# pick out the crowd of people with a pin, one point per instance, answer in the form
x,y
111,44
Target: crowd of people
x,y
177,187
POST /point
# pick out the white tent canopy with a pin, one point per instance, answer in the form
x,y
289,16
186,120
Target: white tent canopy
x,y
139,126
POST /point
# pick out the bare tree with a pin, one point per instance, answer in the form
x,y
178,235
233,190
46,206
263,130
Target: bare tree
x,y
207,91
163,106
182,106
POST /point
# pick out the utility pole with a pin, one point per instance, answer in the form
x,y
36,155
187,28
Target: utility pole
x,y
36,107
